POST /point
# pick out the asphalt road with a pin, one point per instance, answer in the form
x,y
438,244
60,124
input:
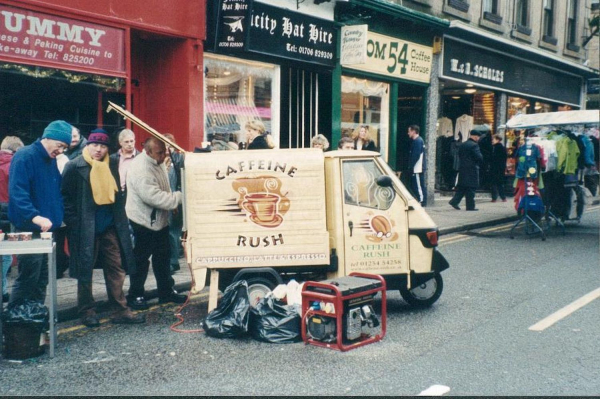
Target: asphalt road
x,y
476,340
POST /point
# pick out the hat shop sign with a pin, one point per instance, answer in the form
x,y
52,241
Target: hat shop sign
x,y
32,37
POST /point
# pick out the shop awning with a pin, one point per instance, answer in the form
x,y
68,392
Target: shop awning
x,y
524,121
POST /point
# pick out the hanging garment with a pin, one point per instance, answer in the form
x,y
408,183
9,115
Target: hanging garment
x,y
588,151
463,126
524,188
528,156
568,153
445,127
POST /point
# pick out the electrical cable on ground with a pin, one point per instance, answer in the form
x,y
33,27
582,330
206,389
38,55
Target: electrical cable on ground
x,y
181,320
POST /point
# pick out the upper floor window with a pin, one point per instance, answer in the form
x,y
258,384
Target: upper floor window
x,y
522,12
460,5
491,6
548,24
572,22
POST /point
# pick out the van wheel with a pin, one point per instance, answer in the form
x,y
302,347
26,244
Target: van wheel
x,y
258,288
424,294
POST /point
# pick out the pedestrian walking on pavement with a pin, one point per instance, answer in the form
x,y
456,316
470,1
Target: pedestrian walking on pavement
x,y
125,154
497,168
149,200
36,205
470,160
416,164
98,229
77,145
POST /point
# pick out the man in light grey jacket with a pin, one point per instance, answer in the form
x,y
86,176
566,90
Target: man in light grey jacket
x,y
149,200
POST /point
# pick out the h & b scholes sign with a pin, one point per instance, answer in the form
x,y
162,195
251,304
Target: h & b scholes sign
x,y
488,68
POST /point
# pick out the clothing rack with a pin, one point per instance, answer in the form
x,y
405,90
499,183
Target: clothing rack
x,y
531,227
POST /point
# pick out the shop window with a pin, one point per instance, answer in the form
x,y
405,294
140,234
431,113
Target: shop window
x,y
548,23
542,107
236,92
366,102
517,106
572,42
522,17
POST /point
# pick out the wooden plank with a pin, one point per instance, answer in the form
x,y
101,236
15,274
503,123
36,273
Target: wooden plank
x,y
213,292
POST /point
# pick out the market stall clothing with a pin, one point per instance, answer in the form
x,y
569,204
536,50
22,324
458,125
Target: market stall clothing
x,y
464,124
445,127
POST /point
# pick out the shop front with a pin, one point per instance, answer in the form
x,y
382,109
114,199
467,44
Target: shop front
x,y
272,65
387,59
65,60
483,86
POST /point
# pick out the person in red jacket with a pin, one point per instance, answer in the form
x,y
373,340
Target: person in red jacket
x,y
9,145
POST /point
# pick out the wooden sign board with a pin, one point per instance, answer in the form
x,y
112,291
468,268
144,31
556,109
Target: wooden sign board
x,y
257,208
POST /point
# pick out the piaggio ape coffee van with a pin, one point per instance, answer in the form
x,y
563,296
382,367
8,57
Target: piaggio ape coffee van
x,y
267,216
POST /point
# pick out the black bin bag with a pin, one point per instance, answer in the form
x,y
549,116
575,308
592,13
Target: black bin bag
x,y
271,321
27,311
230,318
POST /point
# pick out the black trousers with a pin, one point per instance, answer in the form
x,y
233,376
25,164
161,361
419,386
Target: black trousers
x,y
156,244
468,193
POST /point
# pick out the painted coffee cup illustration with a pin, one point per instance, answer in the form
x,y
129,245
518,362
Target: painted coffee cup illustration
x,y
263,208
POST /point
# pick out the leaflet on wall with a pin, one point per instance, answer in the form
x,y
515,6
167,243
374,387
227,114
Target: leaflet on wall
x,y
353,44
33,37
284,33
396,58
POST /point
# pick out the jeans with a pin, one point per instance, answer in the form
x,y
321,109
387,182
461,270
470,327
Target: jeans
x,y
32,279
6,261
156,244
175,225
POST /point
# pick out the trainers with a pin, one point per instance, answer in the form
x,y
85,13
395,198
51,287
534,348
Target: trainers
x,y
173,297
138,303
90,320
128,317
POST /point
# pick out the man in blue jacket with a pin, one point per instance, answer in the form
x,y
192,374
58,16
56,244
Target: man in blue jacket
x,y
416,164
35,204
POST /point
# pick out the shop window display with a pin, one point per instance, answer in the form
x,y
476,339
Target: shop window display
x,y
238,91
366,102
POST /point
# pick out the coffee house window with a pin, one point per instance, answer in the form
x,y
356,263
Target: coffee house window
x,y
522,17
548,24
366,103
236,92
572,26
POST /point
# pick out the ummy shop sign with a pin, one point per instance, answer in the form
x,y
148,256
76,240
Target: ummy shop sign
x,y
29,36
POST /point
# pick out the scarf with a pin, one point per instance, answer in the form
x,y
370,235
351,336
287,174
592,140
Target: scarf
x,y
102,181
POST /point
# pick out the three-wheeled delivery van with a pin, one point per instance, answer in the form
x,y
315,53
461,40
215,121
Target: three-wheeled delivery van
x,y
267,216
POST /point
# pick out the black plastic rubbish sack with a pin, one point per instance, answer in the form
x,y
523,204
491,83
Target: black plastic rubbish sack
x,y
230,318
26,311
271,321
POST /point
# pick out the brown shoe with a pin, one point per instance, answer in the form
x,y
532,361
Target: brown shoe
x,y
90,320
128,317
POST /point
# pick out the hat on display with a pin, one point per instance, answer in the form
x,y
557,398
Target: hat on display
x,y
58,130
98,136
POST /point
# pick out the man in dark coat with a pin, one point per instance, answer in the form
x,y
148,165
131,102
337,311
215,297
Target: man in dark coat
x,y
97,229
497,168
470,160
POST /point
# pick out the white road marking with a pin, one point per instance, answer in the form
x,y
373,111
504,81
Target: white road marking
x,y
435,390
564,312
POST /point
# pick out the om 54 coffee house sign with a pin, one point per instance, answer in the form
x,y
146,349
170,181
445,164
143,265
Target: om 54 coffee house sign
x,y
385,55
33,38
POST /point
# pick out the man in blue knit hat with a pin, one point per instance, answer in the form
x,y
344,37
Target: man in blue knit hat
x,y
35,204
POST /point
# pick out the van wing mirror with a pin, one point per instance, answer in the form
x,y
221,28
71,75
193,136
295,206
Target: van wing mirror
x,y
384,181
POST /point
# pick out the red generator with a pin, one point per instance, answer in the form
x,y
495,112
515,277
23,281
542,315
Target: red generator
x,y
339,314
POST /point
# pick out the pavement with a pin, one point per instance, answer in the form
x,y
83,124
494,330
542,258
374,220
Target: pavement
x,y
448,219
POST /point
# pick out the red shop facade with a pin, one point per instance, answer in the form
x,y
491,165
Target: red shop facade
x,y
65,59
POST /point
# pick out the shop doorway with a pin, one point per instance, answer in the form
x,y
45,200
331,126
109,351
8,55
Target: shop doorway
x,y
410,112
32,97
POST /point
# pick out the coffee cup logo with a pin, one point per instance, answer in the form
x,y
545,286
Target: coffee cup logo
x,y
261,199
